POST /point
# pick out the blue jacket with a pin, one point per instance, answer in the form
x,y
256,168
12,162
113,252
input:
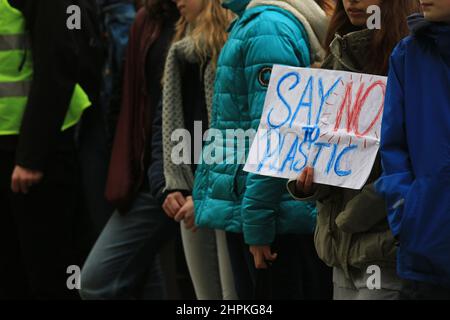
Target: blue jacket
x,y
225,196
415,148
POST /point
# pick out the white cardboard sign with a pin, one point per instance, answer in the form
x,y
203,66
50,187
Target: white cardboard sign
x,y
329,120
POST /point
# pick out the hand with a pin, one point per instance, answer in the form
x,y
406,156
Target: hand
x,y
187,207
187,214
304,184
173,203
22,179
261,254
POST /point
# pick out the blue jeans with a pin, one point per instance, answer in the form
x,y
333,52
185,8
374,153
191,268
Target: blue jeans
x,y
124,262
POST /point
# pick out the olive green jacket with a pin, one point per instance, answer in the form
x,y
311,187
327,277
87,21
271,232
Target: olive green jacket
x,y
352,228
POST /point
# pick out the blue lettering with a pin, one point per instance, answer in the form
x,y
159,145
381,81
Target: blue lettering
x,y
308,90
323,98
308,137
269,152
339,172
333,156
305,160
285,103
291,155
320,145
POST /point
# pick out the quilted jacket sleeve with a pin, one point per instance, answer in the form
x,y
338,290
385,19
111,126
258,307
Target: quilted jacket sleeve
x,y
269,42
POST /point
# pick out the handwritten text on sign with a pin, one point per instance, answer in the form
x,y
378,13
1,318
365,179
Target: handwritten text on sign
x,y
329,120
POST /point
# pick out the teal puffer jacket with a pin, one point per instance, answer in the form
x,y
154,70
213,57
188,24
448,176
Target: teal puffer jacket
x,y
225,196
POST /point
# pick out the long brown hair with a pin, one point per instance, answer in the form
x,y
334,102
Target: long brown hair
x,y
393,29
209,31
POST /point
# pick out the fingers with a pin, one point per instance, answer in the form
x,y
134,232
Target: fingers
x,y
179,198
179,208
173,203
189,222
167,210
258,257
22,179
305,180
186,213
309,179
171,208
174,207
300,185
259,260
262,256
268,255
15,184
24,184
180,214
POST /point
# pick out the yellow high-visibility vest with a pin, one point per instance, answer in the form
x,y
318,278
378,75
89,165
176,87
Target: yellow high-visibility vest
x,y
16,74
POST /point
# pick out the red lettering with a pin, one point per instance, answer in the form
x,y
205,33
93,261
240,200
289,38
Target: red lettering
x,y
353,113
360,103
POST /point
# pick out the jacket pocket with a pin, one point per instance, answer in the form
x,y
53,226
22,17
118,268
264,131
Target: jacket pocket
x,y
409,208
376,247
424,230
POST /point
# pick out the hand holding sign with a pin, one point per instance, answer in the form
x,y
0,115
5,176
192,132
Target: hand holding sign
x,y
304,184
327,120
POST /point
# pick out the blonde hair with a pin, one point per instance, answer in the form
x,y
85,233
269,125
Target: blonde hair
x,y
209,31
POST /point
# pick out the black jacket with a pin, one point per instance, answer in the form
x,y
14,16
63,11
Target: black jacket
x,y
61,58
156,168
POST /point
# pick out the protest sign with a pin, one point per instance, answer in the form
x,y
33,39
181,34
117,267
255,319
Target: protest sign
x,y
329,120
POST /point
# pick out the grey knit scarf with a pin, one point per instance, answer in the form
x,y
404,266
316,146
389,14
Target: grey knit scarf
x,y
180,177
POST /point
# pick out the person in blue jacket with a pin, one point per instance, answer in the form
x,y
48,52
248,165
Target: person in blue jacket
x,y
415,148
257,211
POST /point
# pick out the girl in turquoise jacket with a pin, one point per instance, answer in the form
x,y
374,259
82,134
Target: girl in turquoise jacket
x,y
255,209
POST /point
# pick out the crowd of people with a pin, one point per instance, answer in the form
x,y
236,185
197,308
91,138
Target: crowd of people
x,y
87,170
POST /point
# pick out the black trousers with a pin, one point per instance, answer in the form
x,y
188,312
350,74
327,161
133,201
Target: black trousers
x,y
93,158
296,274
37,230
